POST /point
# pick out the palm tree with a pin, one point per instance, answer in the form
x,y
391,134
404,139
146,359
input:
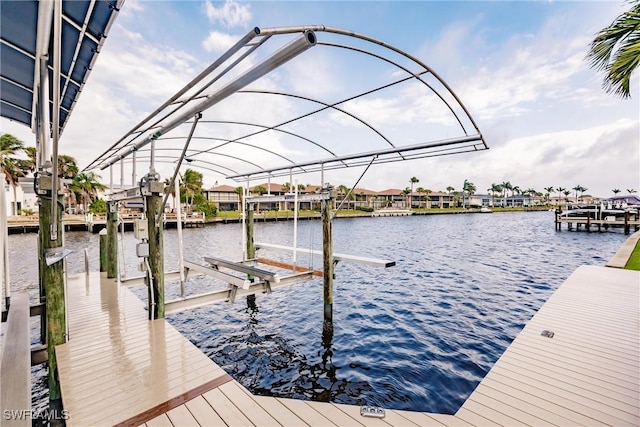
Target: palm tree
x,y
420,190
582,190
566,197
623,36
560,191
449,190
577,188
87,186
412,180
629,190
191,185
616,191
427,192
405,193
549,190
506,186
260,190
10,145
469,188
495,189
67,166
240,193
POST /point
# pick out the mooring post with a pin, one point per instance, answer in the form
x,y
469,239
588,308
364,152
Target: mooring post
x,y
627,226
248,224
52,279
154,196
112,239
327,260
103,250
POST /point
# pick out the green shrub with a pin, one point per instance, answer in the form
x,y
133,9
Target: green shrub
x,y
98,206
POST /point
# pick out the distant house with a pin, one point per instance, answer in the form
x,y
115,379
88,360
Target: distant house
x,y
224,197
629,200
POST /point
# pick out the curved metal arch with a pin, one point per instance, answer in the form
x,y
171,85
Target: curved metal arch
x,y
169,160
217,154
417,76
197,152
119,150
348,33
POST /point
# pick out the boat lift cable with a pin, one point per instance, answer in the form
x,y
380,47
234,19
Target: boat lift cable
x,y
354,186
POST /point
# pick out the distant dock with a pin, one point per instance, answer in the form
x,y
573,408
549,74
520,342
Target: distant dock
x,y
597,220
94,223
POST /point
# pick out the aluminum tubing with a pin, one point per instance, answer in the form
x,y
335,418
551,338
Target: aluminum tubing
x,y
291,50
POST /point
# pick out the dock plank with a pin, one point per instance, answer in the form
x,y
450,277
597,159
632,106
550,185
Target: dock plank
x,y
596,308
305,412
204,413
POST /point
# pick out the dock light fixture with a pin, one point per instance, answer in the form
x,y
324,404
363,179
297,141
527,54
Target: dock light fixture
x,y
300,44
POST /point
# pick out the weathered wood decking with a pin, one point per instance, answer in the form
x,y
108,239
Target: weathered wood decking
x,y
587,374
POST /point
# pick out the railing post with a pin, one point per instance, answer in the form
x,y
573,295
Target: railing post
x,y
103,250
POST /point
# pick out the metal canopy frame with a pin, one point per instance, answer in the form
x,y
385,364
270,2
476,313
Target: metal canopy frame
x,y
211,141
27,50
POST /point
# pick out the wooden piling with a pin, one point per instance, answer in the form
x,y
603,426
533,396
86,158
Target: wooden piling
x,y
112,239
103,250
248,224
52,281
627,226
327,262
156,254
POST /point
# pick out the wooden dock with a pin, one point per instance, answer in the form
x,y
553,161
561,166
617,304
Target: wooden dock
x,y
120,369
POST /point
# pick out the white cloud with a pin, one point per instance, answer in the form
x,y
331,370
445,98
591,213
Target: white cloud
x,y
218,42
231,14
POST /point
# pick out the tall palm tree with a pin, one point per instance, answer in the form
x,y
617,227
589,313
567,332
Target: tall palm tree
x,y
449,190
191,185
67,166
506,186
566,197
412,180
549,190
560,191
10,145
427,192
240,192
420,190
469,188
629,190
616,191
87,186
405,193
616,51
260,190
577,188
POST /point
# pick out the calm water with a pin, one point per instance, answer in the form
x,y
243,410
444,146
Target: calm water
x,y
416,336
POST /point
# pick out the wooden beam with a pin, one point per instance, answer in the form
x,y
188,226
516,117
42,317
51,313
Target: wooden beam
x,y
156,254
112,239
336,257
287,266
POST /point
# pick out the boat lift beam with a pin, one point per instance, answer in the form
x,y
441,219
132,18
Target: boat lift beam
x,y
336,257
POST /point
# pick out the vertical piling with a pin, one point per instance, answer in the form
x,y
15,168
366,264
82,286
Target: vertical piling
x,y
112,239
103,250
52,281
155,209
327,262
248,224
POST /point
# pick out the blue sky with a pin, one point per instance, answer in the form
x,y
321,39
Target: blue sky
x,y
518,66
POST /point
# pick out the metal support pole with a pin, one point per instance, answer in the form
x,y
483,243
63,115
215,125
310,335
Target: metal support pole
x,y
176,185
295,224
133,170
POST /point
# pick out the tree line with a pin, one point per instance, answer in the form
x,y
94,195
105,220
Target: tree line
x,y
82,187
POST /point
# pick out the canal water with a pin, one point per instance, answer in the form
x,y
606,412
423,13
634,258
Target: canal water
x,y
417,336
